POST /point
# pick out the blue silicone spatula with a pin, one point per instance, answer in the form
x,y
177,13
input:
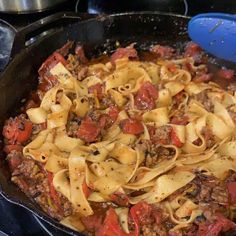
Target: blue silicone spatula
x,y
215,33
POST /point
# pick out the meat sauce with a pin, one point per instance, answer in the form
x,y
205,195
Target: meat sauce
x,y
155,220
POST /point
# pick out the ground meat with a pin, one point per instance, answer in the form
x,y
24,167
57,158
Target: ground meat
x,y
220,194
202,78
203,99
72,128
190,231
154,153
26,168
14,159
105,102
163,51
95,115
153,230
160,135
211,189
209,137
32,180
38,127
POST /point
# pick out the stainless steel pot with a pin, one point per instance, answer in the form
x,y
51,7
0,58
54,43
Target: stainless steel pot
x,y
27,6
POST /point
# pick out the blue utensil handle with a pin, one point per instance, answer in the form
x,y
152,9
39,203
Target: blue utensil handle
x,y
215,33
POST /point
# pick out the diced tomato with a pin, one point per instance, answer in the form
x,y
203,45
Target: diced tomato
x,y
178,97
172,67
226,74
43,125
111,225
131,126
232,191
97,90
113,113
79,51
195,51
17,130
14,161
157,215
163,51
88,130
50,62
33,101
31,104
188,66
159,139
53,192
120,199
151,89
203,78
146,96
47,82
103,120
141,213
86,190
129,52
175,139
179,120
192,49
13,147
64,50
151,131
221,224
92,223
24,133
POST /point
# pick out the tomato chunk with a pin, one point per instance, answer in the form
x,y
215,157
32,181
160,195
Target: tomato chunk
x,y
203,78
232,191
129,52
113,113
221,224
179,120
226,74
86,190
88,130
53,192
175,139
131,126
50,62
120,199
111,225
92,223
141,212
17,130
97,90
163,51
192,49
13,147
146,96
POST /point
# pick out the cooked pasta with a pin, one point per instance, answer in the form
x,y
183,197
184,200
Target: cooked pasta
x,y
129,146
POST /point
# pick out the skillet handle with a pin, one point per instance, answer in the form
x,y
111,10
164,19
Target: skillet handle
x,y
28,35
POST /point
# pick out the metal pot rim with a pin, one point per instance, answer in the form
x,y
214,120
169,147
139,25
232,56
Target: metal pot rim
x,y
27,6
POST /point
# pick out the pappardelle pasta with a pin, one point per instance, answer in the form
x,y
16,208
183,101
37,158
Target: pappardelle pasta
x,y
128,145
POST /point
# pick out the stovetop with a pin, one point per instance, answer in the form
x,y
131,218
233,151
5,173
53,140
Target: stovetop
x,y
15,220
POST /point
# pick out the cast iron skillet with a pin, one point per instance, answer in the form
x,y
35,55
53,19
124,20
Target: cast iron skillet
x,y
98,34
